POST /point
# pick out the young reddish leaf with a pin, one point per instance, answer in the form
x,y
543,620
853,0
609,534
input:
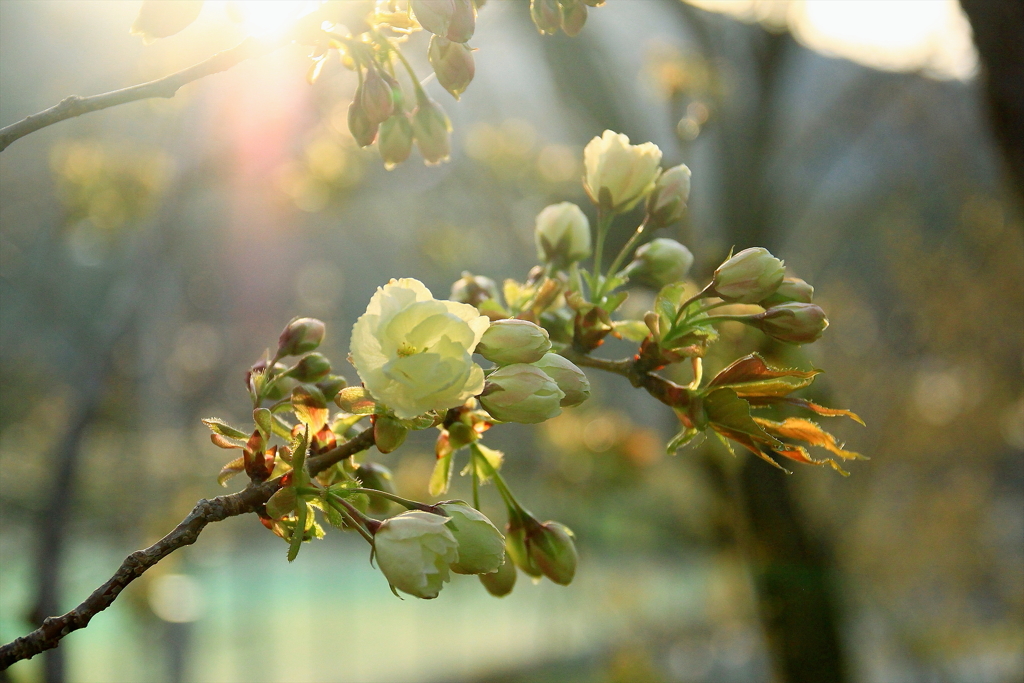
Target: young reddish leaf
x,y
728,411
752,368
804,403
310,407
808,432
747,442
223,442
231,469
800,454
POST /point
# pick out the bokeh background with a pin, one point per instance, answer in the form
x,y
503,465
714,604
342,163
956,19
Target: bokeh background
x,y
149,253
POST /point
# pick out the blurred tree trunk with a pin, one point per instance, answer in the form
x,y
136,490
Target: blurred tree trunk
x,y
999,36
791,570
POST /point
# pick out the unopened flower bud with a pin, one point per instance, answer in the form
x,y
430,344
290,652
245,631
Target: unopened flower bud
x,y
377,477
363,130
376,97
434,15
473,289
667,202
431,129
521,393
500,583
388,433
554,552
511,341
562,234
481,545
748,277
546,15
794,322
311,368
330,386
413,550
453,64
463,22
516,549
569,378
791,289
300,336
574,16
395,139
660,262
618,174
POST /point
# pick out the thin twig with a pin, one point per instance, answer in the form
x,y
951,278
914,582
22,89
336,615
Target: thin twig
x,y
165,87
220,508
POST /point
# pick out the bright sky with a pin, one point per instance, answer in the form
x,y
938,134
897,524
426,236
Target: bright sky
x,y
932,36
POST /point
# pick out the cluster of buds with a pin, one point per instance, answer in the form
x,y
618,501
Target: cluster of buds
x,y
568,15
416,550
529,385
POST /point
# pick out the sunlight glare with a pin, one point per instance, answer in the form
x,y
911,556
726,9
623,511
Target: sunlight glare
x,y
269,17
932,36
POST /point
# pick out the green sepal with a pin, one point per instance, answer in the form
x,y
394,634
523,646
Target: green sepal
x,y
264,420
685,436
441,477
299,532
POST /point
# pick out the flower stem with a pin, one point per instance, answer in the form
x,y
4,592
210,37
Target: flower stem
x,y
357,519
499,482
409,504
604,222
627,248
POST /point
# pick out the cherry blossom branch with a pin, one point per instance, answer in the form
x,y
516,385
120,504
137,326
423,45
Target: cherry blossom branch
x,y
165,87
251,499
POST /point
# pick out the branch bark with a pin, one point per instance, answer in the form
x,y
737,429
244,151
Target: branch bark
x,y
54,629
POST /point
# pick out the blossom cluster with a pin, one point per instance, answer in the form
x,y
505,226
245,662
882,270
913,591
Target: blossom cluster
x,y
490,355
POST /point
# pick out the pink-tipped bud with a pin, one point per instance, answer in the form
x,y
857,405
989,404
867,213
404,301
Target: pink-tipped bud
x,y
300,336
574,16
432,130
748,277
311,368
453,64
473,289
546,15
376,97
553,551
395,140
463,23
363,130
794,322
791,289
667,202
434,15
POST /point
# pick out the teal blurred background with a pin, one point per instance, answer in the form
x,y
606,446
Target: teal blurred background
x,y
149,253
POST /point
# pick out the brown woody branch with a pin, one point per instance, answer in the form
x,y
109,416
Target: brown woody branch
x,y
165,87
251,499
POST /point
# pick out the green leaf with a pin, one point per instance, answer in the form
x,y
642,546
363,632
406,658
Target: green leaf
x,y
633,330
218,426
613,301
282,503
442,475
310,407
299,532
